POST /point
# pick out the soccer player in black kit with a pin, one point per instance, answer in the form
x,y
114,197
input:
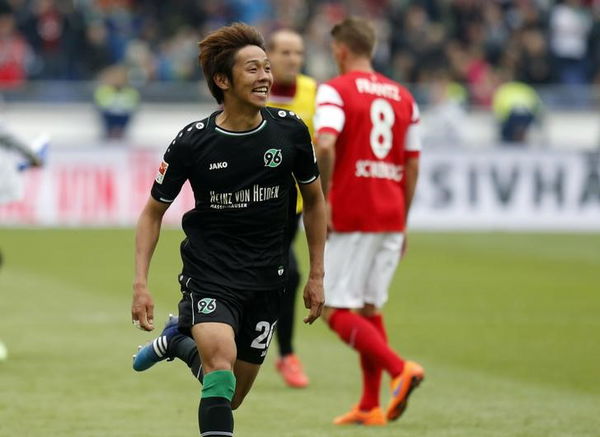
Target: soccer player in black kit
x,y
241,162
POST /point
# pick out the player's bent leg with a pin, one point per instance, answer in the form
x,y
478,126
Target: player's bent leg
x,y
217,350
245,374
187,352
169,345
402,387
158,349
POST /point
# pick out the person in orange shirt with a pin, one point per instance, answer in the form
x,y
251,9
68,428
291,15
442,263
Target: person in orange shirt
x,y
294,92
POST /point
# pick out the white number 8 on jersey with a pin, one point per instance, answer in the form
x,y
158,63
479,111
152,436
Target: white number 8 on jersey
x,y
382,119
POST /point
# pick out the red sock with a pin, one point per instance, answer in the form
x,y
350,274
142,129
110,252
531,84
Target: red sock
x,y
363,337
371,372
377,321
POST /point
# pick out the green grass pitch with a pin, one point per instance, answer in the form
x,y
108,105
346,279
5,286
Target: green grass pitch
x,y
506,325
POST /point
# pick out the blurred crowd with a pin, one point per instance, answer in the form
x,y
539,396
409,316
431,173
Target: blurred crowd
x,y
475,44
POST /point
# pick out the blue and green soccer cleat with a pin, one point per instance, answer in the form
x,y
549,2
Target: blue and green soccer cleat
x,y
158,349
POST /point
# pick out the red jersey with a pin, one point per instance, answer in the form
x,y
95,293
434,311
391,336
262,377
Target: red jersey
x,y
371,115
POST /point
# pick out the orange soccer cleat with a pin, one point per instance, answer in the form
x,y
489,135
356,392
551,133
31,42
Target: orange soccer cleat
x,y
402,386
291,370
374,417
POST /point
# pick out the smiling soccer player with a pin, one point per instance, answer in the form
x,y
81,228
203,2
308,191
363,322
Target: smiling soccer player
x,y
241,162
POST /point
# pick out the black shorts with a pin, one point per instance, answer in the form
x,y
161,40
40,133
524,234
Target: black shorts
x,y
253,316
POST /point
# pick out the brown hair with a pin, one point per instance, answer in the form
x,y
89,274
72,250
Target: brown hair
x,y
218,50
356,33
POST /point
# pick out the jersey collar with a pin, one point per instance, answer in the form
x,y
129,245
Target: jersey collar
x,y
258,128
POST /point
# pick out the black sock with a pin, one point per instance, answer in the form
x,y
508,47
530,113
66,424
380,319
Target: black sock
x,y
285,325
215,416
184,348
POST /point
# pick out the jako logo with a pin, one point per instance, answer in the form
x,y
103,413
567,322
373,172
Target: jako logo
x,y
217,165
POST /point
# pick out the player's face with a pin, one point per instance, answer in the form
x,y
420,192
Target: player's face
x,y
252,78
287,57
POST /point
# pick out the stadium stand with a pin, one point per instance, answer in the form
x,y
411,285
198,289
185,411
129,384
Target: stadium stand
x,y
452,54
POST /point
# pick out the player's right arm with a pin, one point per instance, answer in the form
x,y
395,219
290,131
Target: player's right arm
x,y
172,174
146,238
328,123
325,149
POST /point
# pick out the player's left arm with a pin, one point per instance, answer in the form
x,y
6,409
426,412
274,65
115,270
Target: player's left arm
x,y
411,174
315,224
412,149
306,172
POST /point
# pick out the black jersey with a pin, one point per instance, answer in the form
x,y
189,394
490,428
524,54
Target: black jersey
x,y
236,233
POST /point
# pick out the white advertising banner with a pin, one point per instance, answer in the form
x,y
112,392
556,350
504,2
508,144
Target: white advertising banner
x,y
91,187
457,189
507,189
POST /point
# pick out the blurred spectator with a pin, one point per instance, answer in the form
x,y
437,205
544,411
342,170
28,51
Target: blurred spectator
x,y
570,26
319,63
416,45
526,13
594,45
95,56
116,101
462,14
516,107
217,14
480,78
177,59
444,122
534,64
254,12
122,27
140,61
542,41
291,14
15,54
45,28
497,32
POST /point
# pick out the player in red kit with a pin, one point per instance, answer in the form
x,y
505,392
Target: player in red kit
x,y
368,152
